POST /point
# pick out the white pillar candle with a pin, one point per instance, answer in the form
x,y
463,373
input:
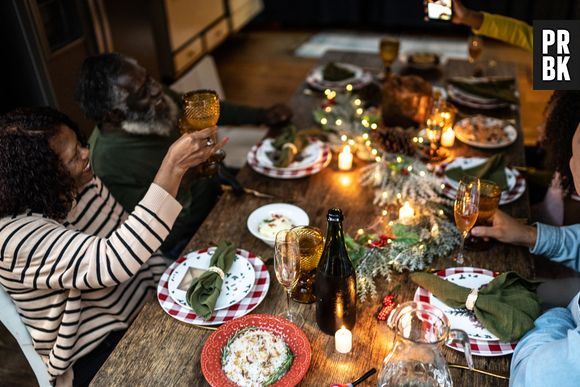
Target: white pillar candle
x,y
345,159
406,212
448,137
343,340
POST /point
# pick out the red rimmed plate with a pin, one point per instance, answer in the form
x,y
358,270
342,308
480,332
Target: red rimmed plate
x,y
211,353
284,173
485,345
245,306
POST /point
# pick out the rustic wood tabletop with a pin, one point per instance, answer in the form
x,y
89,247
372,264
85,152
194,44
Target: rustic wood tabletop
x,y
158,350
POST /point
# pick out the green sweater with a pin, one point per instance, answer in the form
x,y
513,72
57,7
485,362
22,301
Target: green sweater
x,y
127,164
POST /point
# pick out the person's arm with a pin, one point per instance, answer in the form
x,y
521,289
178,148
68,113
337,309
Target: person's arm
x,y
549,354
560,244
507,29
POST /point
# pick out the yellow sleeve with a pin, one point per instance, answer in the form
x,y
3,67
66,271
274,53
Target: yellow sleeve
x,y
507,29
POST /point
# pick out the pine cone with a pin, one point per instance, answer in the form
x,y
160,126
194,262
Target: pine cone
x,y
395,140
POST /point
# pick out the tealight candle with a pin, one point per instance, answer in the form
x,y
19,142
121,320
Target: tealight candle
x,y
343,340
448,137
345,159
406,212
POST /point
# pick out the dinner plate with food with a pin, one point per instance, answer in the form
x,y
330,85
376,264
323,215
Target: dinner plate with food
x,y
266,221
422,60
256,350
336,75
481,340
308,156
247,303
485,132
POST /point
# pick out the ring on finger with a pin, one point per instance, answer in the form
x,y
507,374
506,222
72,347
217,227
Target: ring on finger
x,y
209,142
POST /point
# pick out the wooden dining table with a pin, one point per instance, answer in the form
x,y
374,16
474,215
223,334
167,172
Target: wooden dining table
x,y
158,350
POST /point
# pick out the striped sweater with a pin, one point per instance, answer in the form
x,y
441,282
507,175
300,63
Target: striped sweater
x,y
76,281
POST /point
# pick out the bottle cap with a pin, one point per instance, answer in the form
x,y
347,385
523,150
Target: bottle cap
x,y
334,215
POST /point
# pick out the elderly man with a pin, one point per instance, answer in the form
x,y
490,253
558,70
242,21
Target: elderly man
x,y
136,122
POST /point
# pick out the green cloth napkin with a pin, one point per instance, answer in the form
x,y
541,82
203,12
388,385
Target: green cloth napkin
x,y
493,169
288,146
507,306
205,289
502,89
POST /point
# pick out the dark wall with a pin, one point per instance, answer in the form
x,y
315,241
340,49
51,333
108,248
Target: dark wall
x,y
397,14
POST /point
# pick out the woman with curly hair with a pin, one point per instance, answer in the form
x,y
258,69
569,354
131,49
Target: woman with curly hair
x,y
76,265
549,354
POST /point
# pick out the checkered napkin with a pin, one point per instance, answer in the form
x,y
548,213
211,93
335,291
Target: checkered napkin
x,y
507,306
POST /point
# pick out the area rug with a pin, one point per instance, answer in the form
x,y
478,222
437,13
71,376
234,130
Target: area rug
x,y
369,43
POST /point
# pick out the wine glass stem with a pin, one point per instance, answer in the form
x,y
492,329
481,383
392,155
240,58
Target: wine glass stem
x,y
288,292
460,259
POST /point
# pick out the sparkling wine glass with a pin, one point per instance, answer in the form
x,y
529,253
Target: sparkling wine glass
x,y
389,49
201,109
466,209
475,47
287,268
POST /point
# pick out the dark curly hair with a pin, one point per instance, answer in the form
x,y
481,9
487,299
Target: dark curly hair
x,y
32,177
561,123
95,89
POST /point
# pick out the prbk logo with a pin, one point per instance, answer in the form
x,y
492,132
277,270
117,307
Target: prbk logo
x,y
557,54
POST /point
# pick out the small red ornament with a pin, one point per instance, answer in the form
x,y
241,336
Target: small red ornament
x,y
404,172
389,304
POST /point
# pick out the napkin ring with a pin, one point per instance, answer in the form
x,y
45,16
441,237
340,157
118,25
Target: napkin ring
x,y
217,270
291,146
471,299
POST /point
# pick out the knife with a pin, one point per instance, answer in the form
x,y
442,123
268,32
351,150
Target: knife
x,y
249,191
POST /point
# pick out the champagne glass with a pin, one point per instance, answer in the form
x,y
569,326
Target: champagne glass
x,y
475,47
287,268
466,209
489,197
389,49
201,109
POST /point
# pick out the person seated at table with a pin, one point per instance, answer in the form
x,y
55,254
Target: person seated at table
x,y
549,354
77,266
136,123
506,29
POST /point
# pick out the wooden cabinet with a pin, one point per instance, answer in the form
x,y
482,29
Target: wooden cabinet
x,y
242,11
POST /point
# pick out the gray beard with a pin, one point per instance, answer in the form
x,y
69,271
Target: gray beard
x,y
156,126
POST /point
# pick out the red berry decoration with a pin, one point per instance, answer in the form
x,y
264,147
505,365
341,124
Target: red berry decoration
x,y
389,304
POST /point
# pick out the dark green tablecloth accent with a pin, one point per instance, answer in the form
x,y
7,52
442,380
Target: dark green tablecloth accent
x,y
493,169
288,145
204,291
501,89
507,306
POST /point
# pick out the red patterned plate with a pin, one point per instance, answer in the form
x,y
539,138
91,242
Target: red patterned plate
x,y
245,306
285,173
211,353
479,347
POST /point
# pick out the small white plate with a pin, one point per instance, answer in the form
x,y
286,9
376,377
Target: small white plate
x,y
238,281
296,215
466,136
470,162
316,78
309,155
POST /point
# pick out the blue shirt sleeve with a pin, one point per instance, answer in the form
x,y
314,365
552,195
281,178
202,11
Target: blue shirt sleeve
x,y
549,354
560,244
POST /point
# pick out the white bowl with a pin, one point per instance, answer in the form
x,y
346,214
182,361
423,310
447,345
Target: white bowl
x,y
296,215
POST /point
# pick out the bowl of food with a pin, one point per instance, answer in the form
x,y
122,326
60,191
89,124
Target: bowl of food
x,y
266,221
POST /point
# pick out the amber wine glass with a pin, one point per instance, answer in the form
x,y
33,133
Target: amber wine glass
x,y
474,47
310,244
466,209
389,49
287,268
201,109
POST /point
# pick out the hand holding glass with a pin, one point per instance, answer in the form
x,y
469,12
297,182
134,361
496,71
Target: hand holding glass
x,y
466,209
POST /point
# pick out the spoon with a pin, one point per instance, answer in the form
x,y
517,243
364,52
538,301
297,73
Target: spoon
x,y
368,374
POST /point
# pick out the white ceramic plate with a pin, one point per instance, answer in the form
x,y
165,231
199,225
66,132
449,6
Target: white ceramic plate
x,y
407,57
311,154
469,162
296,215
465,135
238,281
316,79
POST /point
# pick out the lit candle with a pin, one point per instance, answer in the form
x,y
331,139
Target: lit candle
x,y
345,159
406,212
343,340
448,137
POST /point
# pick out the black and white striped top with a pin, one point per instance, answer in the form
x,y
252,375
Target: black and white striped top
x,y
76,281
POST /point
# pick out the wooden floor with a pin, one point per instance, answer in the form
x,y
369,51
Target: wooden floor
x,y
258,68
